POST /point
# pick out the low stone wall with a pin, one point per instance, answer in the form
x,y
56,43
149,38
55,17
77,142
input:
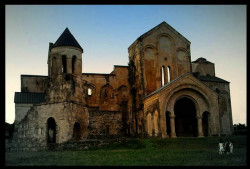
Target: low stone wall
x,y
22,145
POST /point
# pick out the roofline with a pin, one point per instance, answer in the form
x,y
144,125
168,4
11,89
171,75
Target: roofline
x,y
120,66
103,74
34,75
140,37
80,49
213,81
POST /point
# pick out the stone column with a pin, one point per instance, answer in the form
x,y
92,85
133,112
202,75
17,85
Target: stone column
x,y
172,125
200,130
163,126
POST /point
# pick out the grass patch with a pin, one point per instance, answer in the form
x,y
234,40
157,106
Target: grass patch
x,y
140,152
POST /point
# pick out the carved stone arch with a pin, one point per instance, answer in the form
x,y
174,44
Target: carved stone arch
x,y
193,100
147,54
166,35
150,46
106,93
194,88
123,93
181,49
168,48
198,98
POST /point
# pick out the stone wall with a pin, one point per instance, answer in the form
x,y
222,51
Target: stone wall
x,y
21,111
225,108
31,133
108,90
33,83
103,124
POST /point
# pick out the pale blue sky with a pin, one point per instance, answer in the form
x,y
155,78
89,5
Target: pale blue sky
x,y
216,32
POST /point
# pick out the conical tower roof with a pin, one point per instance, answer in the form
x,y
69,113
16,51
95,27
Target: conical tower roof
x,y
67,39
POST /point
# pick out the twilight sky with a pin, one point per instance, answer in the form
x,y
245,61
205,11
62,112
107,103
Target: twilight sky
x,y
216,32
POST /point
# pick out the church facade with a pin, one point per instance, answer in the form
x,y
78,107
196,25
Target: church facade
x,y
160,93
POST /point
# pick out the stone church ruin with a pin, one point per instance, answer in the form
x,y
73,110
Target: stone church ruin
x,y
160,93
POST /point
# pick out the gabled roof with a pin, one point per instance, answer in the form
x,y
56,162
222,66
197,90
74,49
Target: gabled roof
x,y
157,27
29,97
175,80
67,39
211,79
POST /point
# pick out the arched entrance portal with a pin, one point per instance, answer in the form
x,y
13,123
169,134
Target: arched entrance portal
x,y
76,131
51,130
185,118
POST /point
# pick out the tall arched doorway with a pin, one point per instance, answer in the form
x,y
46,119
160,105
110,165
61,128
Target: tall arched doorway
x,y
77,131
205,123
51,130
185,118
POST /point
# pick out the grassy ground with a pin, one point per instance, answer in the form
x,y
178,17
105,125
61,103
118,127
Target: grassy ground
x,y
140,152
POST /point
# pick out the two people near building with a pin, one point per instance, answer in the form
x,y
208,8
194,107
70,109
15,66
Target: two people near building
x,y
226,147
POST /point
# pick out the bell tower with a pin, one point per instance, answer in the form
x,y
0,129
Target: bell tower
x,y
65,70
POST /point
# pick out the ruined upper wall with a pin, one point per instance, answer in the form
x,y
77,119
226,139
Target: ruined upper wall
x,y
33,83
203,67
107,90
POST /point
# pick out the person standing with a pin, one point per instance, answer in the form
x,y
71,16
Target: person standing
x,y
231,147
221,147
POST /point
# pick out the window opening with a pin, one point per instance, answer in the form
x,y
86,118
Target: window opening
x,y
162,76
169,74
73,63
89,91
64,64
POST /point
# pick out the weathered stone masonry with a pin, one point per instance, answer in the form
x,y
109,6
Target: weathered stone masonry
x,y
161,93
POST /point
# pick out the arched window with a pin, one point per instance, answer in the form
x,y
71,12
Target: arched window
x,y
162,75
64,64
89,92
169,74
73,63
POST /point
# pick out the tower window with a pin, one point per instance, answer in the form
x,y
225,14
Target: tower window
x,y
64,64
73,64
